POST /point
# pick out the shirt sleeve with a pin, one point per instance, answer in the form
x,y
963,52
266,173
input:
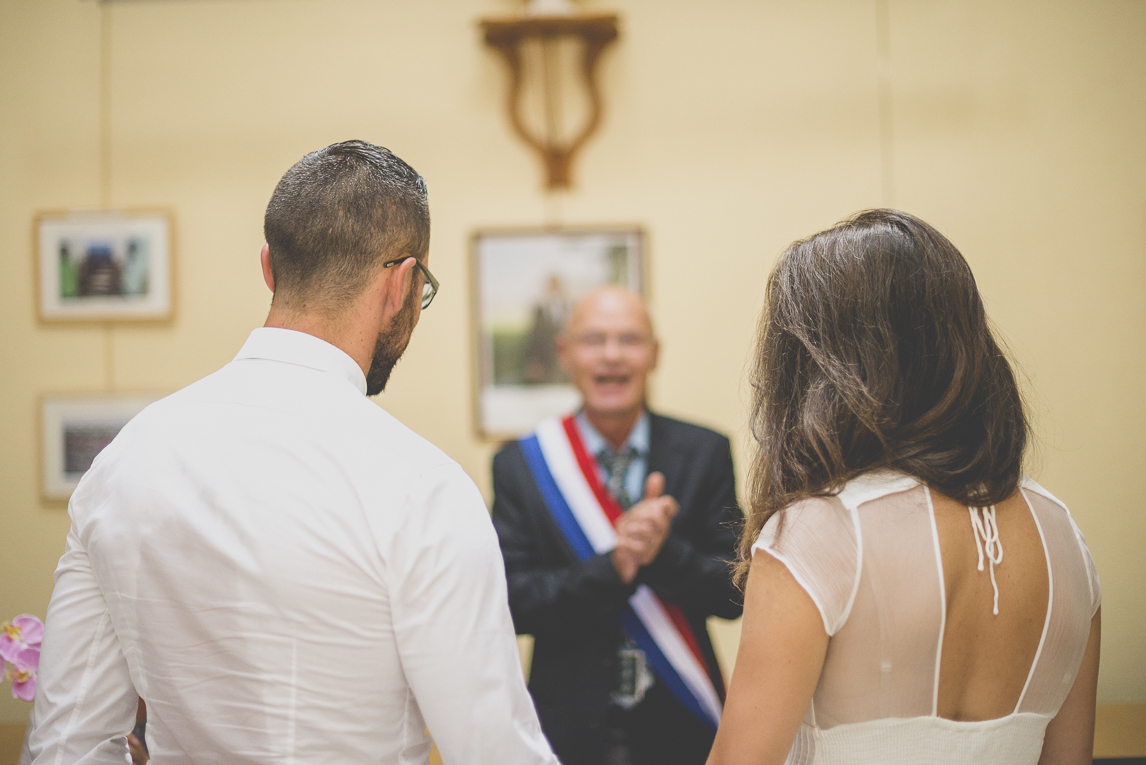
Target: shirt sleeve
x,y
816,539
85,700
455,636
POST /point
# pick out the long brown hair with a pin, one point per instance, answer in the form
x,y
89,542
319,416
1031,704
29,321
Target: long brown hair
x,y
874,351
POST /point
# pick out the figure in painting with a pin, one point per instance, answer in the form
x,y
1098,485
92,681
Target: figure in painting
x,y
541,363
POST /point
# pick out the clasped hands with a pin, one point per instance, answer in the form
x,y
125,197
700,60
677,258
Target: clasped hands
x,y
643,528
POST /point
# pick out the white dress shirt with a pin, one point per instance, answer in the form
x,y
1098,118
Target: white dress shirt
x,y
286,574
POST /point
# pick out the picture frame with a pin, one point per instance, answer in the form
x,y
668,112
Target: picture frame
x,y
104,264
524,283
74,429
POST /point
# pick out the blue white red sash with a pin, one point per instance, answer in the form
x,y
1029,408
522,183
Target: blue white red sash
x,y
585,513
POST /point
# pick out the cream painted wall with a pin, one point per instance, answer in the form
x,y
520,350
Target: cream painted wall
x,y
733,128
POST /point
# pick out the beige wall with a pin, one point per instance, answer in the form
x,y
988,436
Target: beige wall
x,y
733,128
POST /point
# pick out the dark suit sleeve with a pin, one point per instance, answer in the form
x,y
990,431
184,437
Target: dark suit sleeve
x,y
549,590
693,568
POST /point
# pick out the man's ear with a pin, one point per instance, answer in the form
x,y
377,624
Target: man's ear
x,y
268,275
396,284
656,354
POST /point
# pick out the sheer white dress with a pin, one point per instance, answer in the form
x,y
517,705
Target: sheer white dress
x,y
869,557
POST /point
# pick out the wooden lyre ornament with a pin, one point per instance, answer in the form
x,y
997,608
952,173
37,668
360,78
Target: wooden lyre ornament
x,y
547,22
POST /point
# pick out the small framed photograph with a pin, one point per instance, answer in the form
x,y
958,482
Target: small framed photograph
x,y
524,284
104,265
75,428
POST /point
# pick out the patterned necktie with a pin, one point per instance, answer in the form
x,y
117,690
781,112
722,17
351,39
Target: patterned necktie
x,y
616,467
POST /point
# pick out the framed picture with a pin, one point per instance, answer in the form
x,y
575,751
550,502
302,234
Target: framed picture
x,y
75,429
104,265
524,284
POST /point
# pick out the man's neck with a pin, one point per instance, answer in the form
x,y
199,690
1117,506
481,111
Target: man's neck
x,y
351,340
614,428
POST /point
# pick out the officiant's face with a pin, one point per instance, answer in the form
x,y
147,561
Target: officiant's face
x,y
608,349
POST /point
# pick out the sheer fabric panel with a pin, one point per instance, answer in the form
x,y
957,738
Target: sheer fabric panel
x,y
896,623
870,560
816,539
1072,606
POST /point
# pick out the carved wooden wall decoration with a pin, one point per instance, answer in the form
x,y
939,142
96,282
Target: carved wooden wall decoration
x,y
509,37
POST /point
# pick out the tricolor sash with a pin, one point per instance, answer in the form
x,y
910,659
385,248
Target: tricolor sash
x,y
567,478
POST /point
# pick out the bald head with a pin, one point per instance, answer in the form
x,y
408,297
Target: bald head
x,y
608,349
610,300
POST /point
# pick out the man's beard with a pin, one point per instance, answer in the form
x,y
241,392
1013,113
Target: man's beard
x,y
390,346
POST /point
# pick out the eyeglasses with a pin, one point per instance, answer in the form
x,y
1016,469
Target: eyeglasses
x,y
628,341
429,287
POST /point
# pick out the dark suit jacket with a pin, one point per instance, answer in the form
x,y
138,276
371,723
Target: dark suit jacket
x,y
572,607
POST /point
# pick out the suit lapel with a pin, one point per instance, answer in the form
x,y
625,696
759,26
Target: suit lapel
x,y
663,457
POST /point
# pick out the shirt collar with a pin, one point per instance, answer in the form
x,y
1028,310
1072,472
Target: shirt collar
x,y
292,347
595,442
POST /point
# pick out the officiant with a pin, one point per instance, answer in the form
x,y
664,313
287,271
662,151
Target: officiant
x,y
618,525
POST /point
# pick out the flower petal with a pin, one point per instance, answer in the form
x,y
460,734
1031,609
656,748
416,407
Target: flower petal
x,y
25,691
9,648
31,628
29,658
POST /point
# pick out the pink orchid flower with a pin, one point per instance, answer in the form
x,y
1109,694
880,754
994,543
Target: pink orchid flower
x,y
25,631
23,673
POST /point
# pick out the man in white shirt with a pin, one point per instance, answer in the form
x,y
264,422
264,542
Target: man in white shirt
x,y
279,568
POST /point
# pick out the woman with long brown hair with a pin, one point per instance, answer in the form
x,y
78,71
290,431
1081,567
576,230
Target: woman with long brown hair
x,y
911,596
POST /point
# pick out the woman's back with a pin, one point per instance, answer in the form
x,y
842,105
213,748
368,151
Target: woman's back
x,y
918,666
934,632
989,645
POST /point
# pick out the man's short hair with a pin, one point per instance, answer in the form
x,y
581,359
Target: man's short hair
x,y
337,215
